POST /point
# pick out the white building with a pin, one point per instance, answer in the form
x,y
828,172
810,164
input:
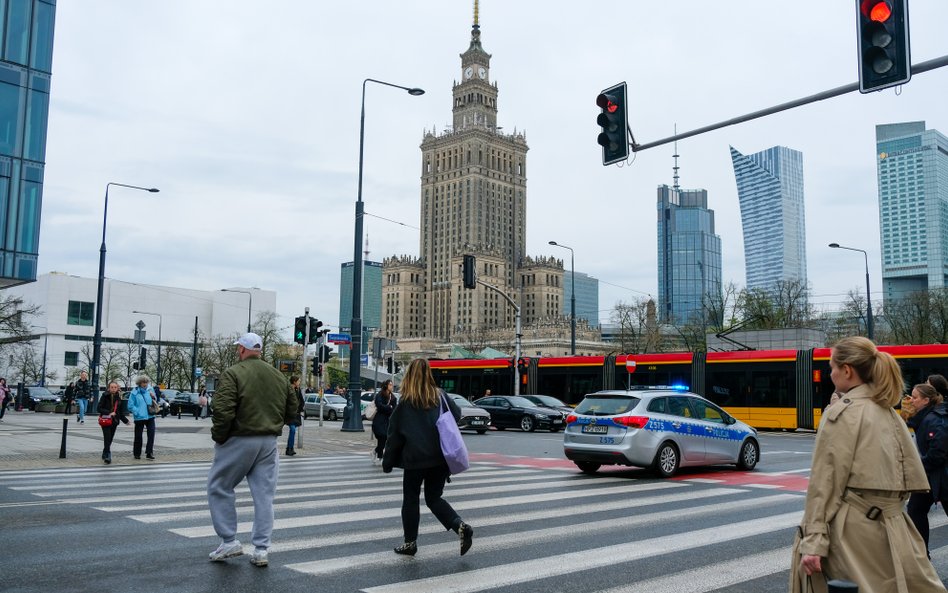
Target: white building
x,y
66,321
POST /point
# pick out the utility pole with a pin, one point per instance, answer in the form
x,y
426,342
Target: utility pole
x,y
194,354
516,307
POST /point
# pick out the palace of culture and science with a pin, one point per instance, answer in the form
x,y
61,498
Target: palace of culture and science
x,y
474,201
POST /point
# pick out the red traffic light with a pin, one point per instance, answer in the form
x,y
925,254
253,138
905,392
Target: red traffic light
x,y
877,11
607,102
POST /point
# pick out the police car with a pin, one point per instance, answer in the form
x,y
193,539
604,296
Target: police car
x,y
662,428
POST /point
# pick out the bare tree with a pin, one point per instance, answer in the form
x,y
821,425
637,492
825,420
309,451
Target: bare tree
x,y
786,304
266,326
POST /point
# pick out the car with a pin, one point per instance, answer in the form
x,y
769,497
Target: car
x,y
36,394
333,407
512,411
185,403
661,428
472,417
550,402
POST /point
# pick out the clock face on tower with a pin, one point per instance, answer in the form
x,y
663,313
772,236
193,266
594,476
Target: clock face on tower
x,y
468,72
482,72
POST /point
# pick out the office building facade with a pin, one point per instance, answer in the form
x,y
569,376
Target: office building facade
x,y
587,297
689,255
913,207
371,298
770,192
25,67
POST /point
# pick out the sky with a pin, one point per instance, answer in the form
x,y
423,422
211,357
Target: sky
x,y
246,115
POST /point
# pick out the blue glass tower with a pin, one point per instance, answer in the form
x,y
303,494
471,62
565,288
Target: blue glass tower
x,y
371,298
26,56
689,255
913,207
770,192
587,297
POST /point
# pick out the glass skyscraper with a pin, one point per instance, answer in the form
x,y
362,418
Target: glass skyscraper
x,y
587,297
913,207
371,298
689,255
770,192
26,56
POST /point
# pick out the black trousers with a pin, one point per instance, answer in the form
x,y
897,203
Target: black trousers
x,y
918,506
433,479
380,447
108,433
150,445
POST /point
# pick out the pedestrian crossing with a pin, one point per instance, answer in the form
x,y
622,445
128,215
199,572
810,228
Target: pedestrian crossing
x,y
536,529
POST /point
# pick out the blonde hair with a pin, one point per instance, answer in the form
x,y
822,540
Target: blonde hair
x,y
877,369
928,392
418,387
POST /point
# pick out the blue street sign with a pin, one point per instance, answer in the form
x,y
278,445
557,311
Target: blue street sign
x,y
339,338
198,372
365,360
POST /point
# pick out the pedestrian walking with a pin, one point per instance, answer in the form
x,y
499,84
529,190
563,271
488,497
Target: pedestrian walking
x,y
384,406
4,397
864,466
930,422
69,394
83,393
414,445
143,405
298,418
252,403
110,406
201,410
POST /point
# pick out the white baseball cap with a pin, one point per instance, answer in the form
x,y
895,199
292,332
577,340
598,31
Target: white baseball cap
x,y
250,341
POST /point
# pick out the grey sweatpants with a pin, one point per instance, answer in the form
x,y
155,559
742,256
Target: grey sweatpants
x,y
256,459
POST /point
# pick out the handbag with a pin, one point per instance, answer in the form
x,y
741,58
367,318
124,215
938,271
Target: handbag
x,y
452,445
153,407
370,410
106,420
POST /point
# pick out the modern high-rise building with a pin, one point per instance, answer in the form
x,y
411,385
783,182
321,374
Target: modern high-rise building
x,y
587,297
689,255
26,57
770,192
913,207
371,298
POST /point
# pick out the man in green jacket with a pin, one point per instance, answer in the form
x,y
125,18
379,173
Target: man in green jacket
x,y
252,403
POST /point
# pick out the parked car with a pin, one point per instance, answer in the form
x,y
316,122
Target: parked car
x,y
333,407
185,402
512,411
472,417
550,402
659,428
37,394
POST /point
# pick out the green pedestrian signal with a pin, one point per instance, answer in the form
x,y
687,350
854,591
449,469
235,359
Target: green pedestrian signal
x,y
299,331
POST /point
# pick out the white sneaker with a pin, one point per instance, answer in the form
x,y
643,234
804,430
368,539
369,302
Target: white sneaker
x,y
260,557
226,551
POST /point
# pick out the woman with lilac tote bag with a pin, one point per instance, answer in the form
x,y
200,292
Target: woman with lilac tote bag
x,y
415,444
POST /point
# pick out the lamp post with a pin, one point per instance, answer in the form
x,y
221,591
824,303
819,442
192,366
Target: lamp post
x,y
158,315
249,306
572,296
42,381
868,297
97,337
353,421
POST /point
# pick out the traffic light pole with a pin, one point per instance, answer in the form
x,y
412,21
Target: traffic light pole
x,y
842,90
516,307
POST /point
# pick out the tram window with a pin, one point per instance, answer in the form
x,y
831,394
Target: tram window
x,y
770,389
726,388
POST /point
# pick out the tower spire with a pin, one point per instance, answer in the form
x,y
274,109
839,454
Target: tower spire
x,y
476,27
675,186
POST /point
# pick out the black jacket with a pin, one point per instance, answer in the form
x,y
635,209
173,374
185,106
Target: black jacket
x,y
300,403
413,440
107,405
931,436
82,390
383,410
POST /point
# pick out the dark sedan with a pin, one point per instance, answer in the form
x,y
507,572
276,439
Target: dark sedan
x,y
550,402
510,411
185,403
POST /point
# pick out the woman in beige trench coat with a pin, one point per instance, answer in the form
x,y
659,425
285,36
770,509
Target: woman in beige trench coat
x,y
865,464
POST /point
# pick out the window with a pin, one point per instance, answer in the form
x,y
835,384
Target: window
x,y
72,359
80,313
706,411
678,406
657,405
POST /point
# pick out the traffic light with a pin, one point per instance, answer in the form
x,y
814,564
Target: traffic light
x,y
882,32
299,331
324,352
314,325
614,123
315,365
470,272
142,358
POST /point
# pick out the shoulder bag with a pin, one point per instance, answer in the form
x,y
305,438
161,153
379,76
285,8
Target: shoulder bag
x,y
370,410
153,406
107,420
452,445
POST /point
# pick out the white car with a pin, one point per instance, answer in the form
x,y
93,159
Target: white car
x,y
333,407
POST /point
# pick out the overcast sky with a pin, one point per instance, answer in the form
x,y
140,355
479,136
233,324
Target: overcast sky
x,y
246,115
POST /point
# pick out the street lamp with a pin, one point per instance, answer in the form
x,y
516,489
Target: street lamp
x,y
97,337
249,307
572,296
353,421
868,298
158,315
45,347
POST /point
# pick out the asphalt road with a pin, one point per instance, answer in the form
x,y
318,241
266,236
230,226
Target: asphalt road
x,y
539,526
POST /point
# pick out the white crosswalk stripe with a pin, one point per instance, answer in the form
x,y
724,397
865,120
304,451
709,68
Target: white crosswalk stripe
x,y
338,518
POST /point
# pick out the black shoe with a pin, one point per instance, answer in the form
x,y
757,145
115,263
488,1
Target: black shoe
x,y
149,456
291,452
466,535
107,459
407,549
138,457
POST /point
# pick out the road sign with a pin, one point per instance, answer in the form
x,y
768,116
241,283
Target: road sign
x,y
339,338
365,360
198,372
630,365
140,324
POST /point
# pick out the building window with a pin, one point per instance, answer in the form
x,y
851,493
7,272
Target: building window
x,y
80,313
72,359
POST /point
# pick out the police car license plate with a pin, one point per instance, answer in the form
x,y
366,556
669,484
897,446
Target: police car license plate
x,y
589,428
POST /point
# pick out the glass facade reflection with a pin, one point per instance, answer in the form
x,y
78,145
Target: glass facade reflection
x,y
689,255
587,297
26,40
371,298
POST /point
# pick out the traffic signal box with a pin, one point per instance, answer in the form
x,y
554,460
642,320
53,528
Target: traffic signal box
x,y
470,272
613,120
299,330
314,325
882,35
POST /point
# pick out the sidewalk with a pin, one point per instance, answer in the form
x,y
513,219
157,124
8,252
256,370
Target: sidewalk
x,y
32,440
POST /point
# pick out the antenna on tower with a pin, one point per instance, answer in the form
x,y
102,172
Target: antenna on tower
x,y
675,168
476,24
366,251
